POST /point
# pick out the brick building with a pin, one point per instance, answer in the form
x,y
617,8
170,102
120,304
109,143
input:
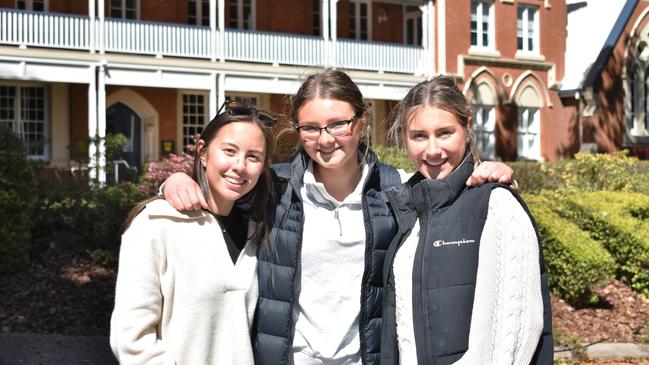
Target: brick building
x,y
157,70
609,100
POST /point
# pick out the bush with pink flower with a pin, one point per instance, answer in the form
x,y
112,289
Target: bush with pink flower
x,y
155,173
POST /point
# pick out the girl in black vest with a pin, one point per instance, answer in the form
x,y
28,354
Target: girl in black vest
x,y
320,287
465,279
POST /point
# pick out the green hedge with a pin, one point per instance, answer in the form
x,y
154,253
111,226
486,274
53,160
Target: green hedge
x,y
574,260
586,172
17,187
84,216
617,220
394,156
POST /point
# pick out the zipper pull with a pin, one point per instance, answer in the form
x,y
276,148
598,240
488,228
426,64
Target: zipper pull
x,y
340,225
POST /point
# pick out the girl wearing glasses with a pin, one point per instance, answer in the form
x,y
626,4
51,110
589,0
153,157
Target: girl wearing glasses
x,y
186,290
321,285
466,282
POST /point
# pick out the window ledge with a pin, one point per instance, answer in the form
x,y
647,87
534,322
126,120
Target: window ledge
x,y
638,132
484,52
529,56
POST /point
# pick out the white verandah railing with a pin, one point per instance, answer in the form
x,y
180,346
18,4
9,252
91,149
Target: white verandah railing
x,y
54,30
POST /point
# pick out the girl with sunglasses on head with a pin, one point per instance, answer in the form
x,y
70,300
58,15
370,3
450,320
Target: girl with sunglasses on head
x,y
466,282
187,290
320,283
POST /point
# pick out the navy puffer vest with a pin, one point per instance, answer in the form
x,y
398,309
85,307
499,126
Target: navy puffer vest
x,y
278,264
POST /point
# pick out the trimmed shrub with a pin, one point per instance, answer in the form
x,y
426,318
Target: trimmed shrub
x,y
394,156
612,218
533,177
14,230
574,260
107,213
17,187
586,172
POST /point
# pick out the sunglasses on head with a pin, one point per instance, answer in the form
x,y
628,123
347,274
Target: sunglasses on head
x,y
244,109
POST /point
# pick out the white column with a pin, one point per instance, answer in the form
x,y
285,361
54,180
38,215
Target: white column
x,y
221,14
441,36
220,89
324,20
213,30
333,11
428,36
93,25
101,123
214,102
92,121
102,26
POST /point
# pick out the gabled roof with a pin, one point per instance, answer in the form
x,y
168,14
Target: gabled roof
x,y
592,35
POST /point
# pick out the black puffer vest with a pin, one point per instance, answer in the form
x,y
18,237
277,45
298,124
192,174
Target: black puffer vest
x,y
451,218
278,265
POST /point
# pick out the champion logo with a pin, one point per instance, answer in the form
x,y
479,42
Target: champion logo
x,y
440,243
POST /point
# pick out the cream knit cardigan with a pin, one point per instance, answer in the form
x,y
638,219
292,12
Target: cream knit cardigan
x,y
179,298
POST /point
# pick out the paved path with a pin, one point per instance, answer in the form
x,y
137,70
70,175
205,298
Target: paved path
x,y
32,349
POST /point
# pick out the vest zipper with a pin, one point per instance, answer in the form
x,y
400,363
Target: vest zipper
x,y
418,302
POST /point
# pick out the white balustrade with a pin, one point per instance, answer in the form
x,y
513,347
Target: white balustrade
x,y
268,47
127,36
44,29
53,30
379,56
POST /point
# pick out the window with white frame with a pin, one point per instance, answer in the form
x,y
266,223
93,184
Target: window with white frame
x,y
242,14
412,25
484,126
195,111
527,28
248,100
198,12
360,26
482,24
317,17
528,146
24,110
31,5
124,9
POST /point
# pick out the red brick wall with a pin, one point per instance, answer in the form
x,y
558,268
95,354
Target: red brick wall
x,y
287,16
390,30
165,102
69,7
608,123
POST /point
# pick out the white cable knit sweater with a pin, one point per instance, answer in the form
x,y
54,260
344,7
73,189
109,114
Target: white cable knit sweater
x,y
179,298
507,317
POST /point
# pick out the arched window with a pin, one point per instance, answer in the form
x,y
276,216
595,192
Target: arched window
x,y
529,124
484,119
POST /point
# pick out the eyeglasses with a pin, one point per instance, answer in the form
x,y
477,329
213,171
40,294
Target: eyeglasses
x,y
336,129
237,108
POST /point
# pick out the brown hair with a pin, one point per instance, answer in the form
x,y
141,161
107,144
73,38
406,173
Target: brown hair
x,y
330,84
440,92
258,196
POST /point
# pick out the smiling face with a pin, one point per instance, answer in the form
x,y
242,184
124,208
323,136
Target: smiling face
x,y
233,162
329,153
435,141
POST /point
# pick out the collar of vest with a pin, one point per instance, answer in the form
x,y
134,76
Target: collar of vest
x,y
421,194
